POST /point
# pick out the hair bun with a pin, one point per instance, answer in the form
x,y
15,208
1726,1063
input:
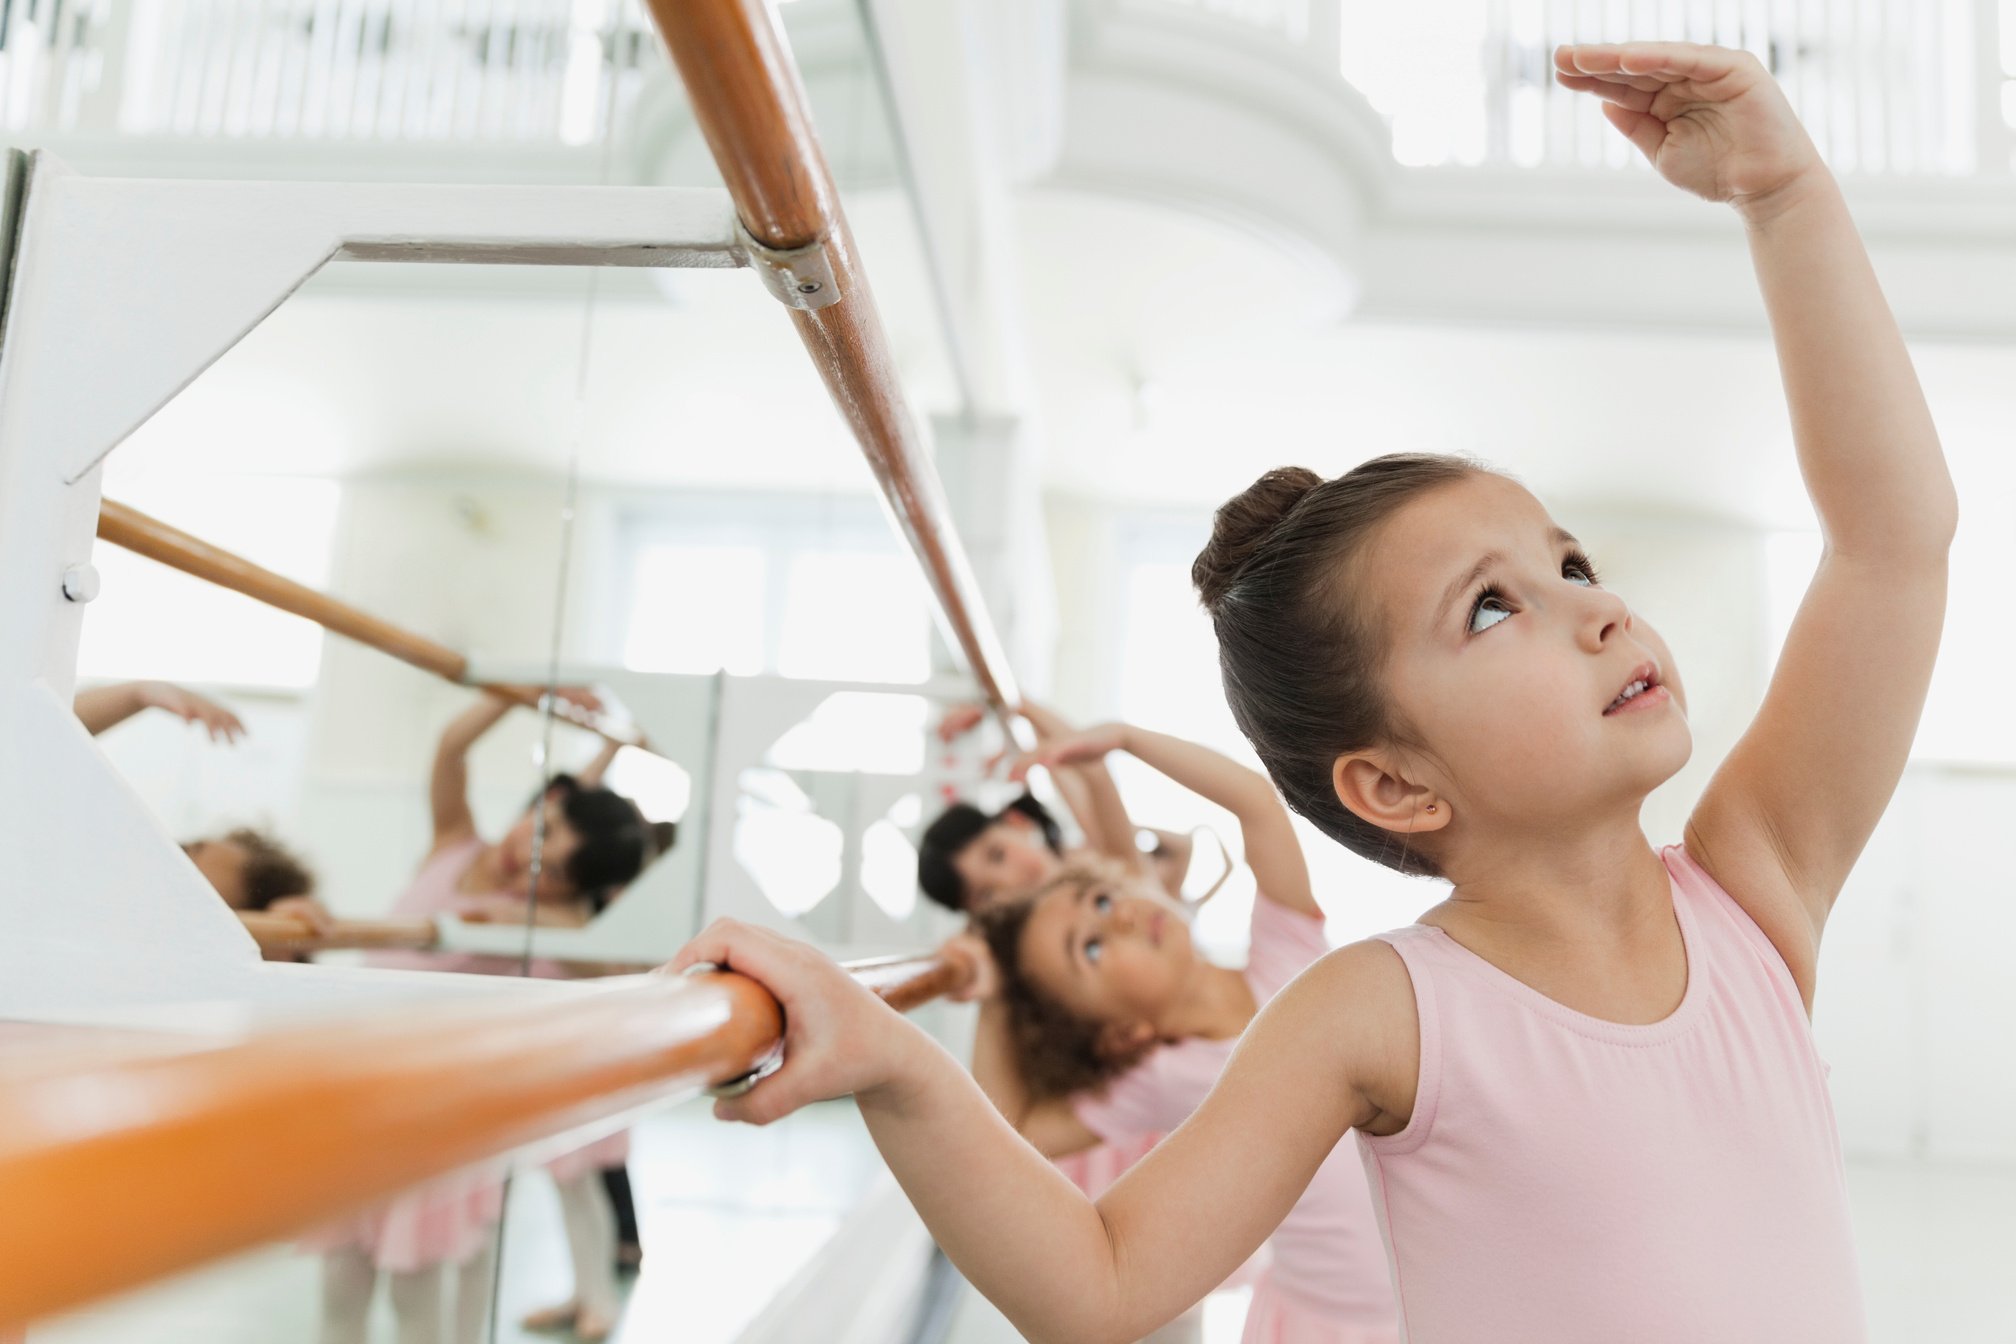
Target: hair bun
x,y
1242,525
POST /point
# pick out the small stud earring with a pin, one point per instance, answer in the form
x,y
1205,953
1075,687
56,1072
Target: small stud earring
x,y
1431,807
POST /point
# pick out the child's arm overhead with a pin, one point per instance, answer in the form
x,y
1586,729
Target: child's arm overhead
x,y
448,785
1788,812
1061,1267
102,707
1091,794
1272,850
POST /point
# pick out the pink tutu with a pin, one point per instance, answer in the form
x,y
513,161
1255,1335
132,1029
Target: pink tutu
x,y
1094,1170
444,1221
1277,1318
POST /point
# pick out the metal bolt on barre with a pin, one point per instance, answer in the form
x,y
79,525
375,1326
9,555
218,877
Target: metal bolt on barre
x,y
735,1087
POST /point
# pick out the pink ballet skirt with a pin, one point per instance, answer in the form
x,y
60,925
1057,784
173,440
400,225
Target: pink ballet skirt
x,y
1275,1317
445,1221
1094,1169
448,1219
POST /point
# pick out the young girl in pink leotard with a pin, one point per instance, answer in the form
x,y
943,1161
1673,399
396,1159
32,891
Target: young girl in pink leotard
x,y
1111,1025
440,1239
1584,1085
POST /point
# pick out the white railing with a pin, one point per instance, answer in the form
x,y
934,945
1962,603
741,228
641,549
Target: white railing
x,y
1916,87
431,70
1912,87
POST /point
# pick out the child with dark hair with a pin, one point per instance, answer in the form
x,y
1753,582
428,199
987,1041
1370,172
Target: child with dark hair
x,y
441,1238
249,869
969,858
1110,1023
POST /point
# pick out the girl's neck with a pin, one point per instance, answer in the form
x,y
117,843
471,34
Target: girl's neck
x,y
1599,884
1216,1004
484,874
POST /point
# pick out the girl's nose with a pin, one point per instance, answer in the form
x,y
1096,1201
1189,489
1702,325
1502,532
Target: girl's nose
x,y
1603,617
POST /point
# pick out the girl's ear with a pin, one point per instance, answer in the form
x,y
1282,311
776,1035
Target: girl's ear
x,y
1371,786
1125,1040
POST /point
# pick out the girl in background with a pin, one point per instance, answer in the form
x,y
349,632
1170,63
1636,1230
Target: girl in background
x,y
248,868
439,1242
1584,1085
1111,1024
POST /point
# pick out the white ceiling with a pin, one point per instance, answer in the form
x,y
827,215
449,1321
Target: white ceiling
x,y
1169,370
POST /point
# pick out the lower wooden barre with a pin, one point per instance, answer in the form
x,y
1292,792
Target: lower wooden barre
x,y
117,1172
288,933
130,529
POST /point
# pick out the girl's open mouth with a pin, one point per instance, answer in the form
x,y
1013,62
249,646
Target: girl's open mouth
x,y
1641,692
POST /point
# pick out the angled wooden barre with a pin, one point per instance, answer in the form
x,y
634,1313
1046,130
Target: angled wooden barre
x,y
136,1163
130,529
750,105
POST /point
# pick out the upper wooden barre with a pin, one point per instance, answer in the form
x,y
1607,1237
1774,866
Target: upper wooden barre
x,y
135,531
750,105
130,1165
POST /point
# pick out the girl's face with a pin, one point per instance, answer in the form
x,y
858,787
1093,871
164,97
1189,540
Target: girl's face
x,y
1539,700
1109,951
1006,858
515,853
222,863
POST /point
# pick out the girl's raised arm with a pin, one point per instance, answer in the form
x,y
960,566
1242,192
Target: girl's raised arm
x,y
448,785
1061,1267
1790,810
1090,793
1273,851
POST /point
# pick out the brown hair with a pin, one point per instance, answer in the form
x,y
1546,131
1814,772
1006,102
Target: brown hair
x,y
1057,1052
1297,648
271,870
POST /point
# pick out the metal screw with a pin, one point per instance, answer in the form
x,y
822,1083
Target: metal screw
x,y
80,582
809,287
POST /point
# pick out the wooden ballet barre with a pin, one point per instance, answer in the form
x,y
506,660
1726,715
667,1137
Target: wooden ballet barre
x,y
750,105
288,933
132,530
121,1170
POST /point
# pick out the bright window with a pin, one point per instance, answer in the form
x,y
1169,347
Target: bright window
x,y
812,588
152,621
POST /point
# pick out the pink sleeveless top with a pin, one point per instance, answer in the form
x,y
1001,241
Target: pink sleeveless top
x,y
1568,1179
435,891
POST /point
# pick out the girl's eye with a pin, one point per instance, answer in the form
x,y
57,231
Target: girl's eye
x,y
1094,950
1579,568
1102,904
1489,609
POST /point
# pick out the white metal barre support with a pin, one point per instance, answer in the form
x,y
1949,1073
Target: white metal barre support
x,y
119,292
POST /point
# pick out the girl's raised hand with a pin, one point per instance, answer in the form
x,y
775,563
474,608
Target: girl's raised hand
x,y
839,1039
1711,120
185,704
1072,748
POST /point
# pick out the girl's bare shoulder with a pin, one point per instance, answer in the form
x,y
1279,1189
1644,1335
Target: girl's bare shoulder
x,y
1355,1009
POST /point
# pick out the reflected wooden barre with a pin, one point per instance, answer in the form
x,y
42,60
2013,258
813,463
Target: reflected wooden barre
x,y
750,105
132,530
136,1164
288,933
